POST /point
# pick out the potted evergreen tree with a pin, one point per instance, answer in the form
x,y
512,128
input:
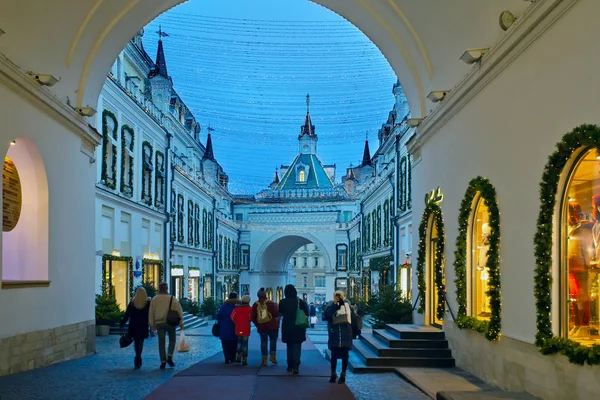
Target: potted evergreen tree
x,y
209,307
107,313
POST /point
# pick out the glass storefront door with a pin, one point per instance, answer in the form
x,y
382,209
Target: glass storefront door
x,y
152,274
177,286
117,281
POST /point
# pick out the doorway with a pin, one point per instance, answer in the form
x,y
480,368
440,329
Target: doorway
x,y
117,280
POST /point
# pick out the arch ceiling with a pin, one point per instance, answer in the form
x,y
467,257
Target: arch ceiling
x,y
276,252
78,40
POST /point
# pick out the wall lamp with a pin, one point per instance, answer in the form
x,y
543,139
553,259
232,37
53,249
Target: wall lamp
x,y
471,56
85,111
2,32
437,95
414,122
45,79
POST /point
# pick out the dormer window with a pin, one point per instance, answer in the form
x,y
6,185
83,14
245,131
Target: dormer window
x,y
301,176
301,173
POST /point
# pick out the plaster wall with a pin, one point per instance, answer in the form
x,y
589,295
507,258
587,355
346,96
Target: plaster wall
x,y
506,134
66,300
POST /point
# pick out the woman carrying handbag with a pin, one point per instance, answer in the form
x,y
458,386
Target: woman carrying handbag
x,y
137,314
293,328
339,327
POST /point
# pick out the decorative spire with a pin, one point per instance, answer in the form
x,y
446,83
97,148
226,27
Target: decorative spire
x,y
161,63
366,154
350,176
276,178
308,128
208,154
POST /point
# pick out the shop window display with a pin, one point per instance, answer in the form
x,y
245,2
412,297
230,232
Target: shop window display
x,y
582,256
480,302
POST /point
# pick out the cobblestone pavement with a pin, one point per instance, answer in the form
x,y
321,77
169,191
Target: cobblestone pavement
x,y
109,374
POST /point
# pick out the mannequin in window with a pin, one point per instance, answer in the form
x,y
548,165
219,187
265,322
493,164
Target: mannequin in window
x,y
582,252
482,267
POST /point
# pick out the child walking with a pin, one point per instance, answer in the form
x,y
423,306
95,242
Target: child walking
x,y
241,317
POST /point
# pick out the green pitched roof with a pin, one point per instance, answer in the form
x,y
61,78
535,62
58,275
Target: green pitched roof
x,y
317,176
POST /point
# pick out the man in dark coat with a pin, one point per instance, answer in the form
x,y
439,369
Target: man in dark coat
x,y
292,335
227,334
312,312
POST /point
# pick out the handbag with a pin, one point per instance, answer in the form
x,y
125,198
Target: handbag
x,y
173,317
216,329
125,340
301,318
340,317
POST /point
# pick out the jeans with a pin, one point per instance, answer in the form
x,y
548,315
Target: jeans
x,y
138,345
163,330
264,338
293,354
229,349
242,346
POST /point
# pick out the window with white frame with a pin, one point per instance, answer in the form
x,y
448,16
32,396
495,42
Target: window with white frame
x,y
319,281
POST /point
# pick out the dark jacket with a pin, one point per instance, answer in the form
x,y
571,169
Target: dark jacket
x,y
290,333
272,325
312,311
138,321
339,335
226,325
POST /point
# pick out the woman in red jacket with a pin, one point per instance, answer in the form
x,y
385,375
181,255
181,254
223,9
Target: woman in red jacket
x,y
241,317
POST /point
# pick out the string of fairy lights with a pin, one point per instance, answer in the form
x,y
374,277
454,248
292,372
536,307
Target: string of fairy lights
x,y
248,79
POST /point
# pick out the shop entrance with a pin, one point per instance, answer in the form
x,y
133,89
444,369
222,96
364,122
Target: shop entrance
x,y
433,299
152,273
177,286
116,280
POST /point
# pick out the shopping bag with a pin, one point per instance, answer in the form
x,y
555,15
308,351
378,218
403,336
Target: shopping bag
x,y
314,320
182,345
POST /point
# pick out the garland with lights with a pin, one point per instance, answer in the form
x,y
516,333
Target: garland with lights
x,y
432,210
402,203
147,171
380,263
127,155
491,329
106,141
159,185
161,268
190,223
106,289
584,136
409,185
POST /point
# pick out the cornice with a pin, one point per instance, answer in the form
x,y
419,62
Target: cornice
x,y
17,80
536,20
131,205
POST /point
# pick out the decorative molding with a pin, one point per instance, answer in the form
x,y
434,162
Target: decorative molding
x,y
46,101
538,18
24,284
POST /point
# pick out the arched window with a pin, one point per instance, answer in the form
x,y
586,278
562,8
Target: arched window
x,y
480,231
580,227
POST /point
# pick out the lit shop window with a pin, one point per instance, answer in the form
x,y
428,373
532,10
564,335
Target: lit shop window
x,y
581,226
479,274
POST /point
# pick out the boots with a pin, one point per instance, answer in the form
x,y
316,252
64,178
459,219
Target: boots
x,y
342,377
264,361
244,360
273,359
333,377
238,358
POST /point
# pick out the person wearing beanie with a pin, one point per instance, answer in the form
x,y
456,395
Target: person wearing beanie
x,y
227,327
265,314
241,317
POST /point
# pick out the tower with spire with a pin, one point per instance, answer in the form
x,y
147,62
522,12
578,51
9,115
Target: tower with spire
x,y
366,160
307,140
160,81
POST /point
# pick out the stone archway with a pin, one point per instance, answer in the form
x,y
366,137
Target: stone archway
x,y
278,249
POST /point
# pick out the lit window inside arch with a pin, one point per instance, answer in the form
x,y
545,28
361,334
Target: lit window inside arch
x,y
480,301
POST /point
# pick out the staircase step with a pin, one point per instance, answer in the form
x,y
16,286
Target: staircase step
x,y
358,366
372,360
415,332
396,343
381,350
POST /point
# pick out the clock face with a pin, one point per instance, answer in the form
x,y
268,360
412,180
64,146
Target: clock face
x,y
506,19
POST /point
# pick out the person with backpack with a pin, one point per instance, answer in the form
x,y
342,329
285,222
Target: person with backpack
x,y
293,333
265,314
241,317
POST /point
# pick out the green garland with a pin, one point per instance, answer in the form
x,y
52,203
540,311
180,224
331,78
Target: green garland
x,y
386,223
147,169
127,187
159,189
379,242
431,210
173,212
106,141
109,257
403,184
180,205
409,185
380,263
210,230
190,222
161,268
584,136
196,225
491,328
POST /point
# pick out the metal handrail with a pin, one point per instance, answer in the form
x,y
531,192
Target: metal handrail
x,y
416,300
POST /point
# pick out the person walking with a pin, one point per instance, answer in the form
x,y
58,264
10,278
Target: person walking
x,y
339,327
160,306
137,315
312,314
291,334
227,327
241,317
265,314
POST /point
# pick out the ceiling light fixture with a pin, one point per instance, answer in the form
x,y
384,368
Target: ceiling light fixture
x,y
45,79
437,95
471,56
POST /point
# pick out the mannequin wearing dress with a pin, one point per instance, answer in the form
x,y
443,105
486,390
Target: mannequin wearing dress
x,y
482,266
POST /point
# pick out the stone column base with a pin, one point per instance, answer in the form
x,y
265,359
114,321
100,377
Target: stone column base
x,y
40,348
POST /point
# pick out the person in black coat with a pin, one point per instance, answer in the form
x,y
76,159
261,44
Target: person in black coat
x,y
312,312
137,315
292,335
339,327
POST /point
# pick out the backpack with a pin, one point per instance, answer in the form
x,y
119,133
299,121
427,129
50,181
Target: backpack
x,y
262,313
